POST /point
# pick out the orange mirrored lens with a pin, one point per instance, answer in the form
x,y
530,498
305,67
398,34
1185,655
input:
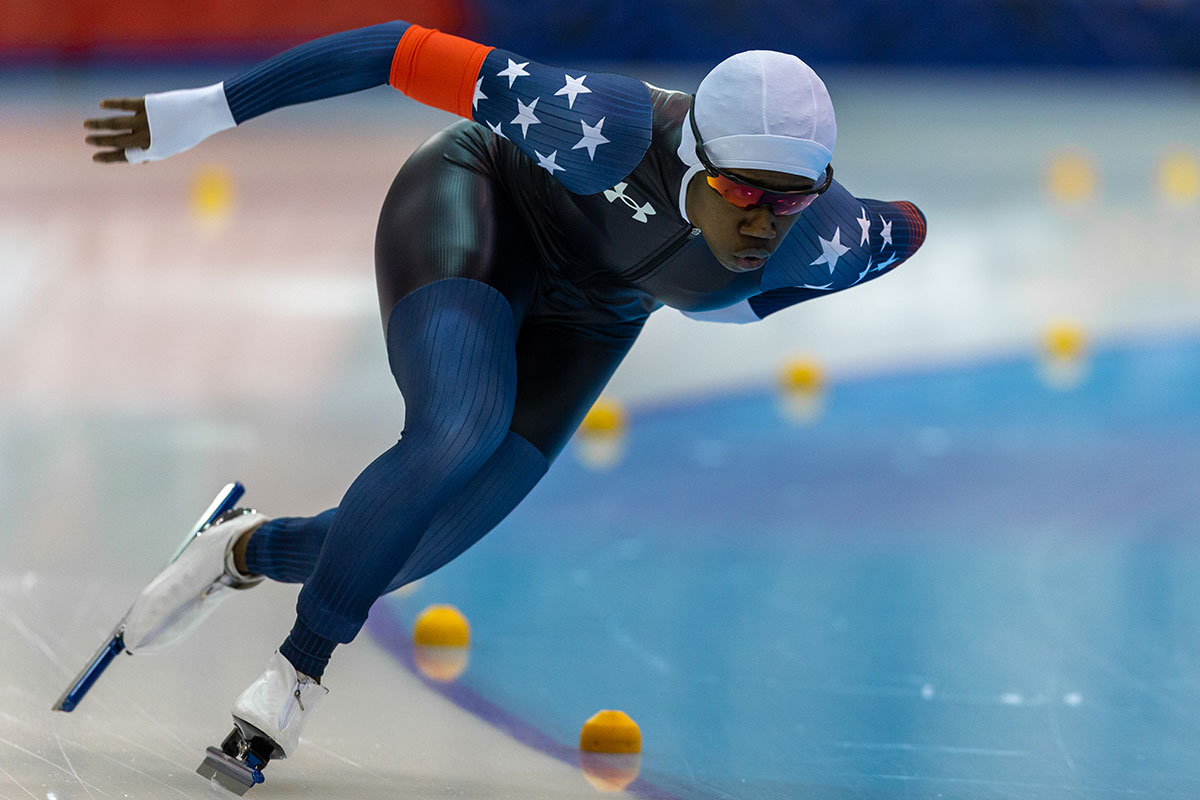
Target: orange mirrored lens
x,y
743,196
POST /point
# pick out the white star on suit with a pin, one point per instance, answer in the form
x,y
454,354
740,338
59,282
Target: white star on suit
x,y
496,130
479,95
525,116
833,249
592,138
574,86
887,233
864,222
513,71
547,162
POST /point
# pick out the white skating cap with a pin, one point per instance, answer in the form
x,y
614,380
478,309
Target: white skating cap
x,y
763,110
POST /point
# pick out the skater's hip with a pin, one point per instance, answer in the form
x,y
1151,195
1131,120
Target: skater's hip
x,y
447,215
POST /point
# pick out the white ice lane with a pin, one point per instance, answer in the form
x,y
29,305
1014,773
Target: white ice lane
x,y
142,730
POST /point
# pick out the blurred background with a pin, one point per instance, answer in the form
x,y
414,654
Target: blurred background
x,y
965,493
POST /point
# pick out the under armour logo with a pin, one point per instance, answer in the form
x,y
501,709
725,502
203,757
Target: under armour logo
x,y
640,213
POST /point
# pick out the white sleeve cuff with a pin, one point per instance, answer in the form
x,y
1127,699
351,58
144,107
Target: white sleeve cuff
x,y
181,119
738,313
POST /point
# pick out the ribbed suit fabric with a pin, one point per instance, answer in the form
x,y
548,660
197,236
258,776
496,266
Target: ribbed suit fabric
x,y
452,350
340,63
286,549
512,472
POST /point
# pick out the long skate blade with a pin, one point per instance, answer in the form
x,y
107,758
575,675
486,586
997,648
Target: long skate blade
x,y
229,773
225,500
88,676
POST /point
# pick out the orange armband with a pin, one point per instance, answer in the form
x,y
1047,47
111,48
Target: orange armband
x,y
438,69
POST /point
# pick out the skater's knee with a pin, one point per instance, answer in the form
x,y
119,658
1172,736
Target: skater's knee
x,y
453,343
463,434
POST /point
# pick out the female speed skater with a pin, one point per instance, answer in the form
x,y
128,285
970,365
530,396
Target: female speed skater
x,y
518,254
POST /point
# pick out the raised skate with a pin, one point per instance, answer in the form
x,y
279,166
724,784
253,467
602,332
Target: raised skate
x,y
267,719
184,592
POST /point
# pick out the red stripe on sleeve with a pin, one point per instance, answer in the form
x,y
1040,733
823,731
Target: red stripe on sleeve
x,y
916,225
437,69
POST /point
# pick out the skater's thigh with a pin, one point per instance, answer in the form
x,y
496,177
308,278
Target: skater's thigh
x,y
446,216
562,366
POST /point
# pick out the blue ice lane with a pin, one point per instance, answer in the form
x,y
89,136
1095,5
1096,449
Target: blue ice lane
x,y
958,584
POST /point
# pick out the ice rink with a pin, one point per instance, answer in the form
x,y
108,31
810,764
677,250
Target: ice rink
x,y
959,577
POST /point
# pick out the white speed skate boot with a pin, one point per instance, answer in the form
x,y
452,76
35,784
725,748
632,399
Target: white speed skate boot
x,y
267,719
187,591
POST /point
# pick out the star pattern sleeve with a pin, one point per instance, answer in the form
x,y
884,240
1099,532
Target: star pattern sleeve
x,y
839,242
586,129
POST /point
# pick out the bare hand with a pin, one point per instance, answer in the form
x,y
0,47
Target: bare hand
x,y
129,130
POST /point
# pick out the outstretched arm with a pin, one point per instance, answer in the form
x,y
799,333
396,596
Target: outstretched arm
x,y
587,130
167,123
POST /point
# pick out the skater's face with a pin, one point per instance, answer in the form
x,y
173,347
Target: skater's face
x,y
741,239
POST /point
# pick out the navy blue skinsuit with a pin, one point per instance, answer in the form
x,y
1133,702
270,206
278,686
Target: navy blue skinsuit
x,y
518,256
